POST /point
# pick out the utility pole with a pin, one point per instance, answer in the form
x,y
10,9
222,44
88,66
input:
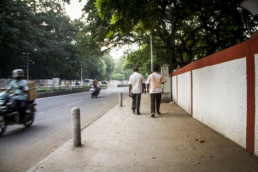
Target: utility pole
x,y
27,66
81,75
151,53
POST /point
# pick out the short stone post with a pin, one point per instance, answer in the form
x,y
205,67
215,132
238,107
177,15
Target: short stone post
x,y
121,99
166,87
76,127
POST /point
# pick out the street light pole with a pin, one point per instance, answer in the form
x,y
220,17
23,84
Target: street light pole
x,y
27,66
81,75
151,53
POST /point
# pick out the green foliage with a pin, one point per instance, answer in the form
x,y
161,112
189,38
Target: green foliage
x,y
123,85
182,30
119,72
54,45
41,32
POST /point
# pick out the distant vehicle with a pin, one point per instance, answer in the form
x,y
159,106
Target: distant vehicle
x,y
104,84
88,82
95,90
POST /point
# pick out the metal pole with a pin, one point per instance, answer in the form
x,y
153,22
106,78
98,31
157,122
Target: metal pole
x,y
76,127
151,53
121,99
27,66
81,75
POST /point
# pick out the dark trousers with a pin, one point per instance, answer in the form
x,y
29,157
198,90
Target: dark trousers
x,y
155,99
136,102
21,107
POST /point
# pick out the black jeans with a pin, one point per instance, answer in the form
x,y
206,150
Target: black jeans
x,y
155,99
21,107
136,102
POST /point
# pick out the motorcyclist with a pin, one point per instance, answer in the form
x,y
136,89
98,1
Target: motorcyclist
x,y
20,89
96,85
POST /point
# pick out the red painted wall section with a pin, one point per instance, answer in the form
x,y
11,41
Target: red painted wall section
x,y
236,52
191,93
245,49
250,67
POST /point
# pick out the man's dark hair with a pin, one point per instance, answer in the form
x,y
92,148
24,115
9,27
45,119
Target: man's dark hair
x,y
135,69
156,68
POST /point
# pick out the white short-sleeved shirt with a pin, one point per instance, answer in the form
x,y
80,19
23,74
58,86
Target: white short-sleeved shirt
x,y
155,80
18,93
136,80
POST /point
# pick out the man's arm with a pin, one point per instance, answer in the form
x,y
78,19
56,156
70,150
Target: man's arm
x,y
130,89
148,86
162,80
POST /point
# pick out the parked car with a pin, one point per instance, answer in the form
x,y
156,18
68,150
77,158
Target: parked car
x,y
88,82
104,84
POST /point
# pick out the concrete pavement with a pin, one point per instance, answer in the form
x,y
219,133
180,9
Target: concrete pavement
x,y
174,141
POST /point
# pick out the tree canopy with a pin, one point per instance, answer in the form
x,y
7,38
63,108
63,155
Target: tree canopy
x,y
182,30
55,46
41,35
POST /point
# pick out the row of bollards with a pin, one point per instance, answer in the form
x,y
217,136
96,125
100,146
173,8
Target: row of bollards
x,y
76,123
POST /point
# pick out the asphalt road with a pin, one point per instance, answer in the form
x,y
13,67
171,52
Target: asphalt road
x,y
21,148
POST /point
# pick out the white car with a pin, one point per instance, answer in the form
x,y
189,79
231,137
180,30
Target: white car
x,y
88,82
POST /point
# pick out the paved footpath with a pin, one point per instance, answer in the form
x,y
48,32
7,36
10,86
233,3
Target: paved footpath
x,y
121,141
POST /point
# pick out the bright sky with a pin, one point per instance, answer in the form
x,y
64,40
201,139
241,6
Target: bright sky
x,y
74,10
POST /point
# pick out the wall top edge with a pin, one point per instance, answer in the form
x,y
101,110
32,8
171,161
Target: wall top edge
x,y
246,49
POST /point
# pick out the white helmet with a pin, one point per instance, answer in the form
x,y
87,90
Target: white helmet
x,y
18,73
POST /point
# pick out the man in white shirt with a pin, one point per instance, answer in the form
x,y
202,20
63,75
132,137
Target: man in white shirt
x,y
154,82
136,81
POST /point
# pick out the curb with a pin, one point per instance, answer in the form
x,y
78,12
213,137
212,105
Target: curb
x,y
58,93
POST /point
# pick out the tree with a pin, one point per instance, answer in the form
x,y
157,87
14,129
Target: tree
x,y
119,72
40,31
109,66
182,30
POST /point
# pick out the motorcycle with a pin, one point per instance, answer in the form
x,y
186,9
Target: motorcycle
x,y
9,114
94,91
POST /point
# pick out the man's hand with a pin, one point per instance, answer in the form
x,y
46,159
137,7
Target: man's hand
x,y
21,87
148,87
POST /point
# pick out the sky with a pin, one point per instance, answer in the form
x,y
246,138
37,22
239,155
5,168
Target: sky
x,y
74,11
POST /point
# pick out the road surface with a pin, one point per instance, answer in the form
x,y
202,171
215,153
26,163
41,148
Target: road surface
x,y
22,148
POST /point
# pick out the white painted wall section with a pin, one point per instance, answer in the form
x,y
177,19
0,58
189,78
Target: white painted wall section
x,y
219,99
184,91
174,92
256,106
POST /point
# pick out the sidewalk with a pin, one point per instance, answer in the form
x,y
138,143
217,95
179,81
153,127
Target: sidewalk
x,y
121,141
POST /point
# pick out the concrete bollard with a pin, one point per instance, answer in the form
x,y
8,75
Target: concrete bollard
x,y
121,99
76,127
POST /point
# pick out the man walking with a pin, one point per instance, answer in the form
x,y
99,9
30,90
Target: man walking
x,y
136,81
154,82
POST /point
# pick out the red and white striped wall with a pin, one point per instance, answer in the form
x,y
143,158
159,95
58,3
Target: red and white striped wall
x,y
221,91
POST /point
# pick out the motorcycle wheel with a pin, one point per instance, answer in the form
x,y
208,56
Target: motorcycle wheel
x,y
29,122
2,127
91,95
